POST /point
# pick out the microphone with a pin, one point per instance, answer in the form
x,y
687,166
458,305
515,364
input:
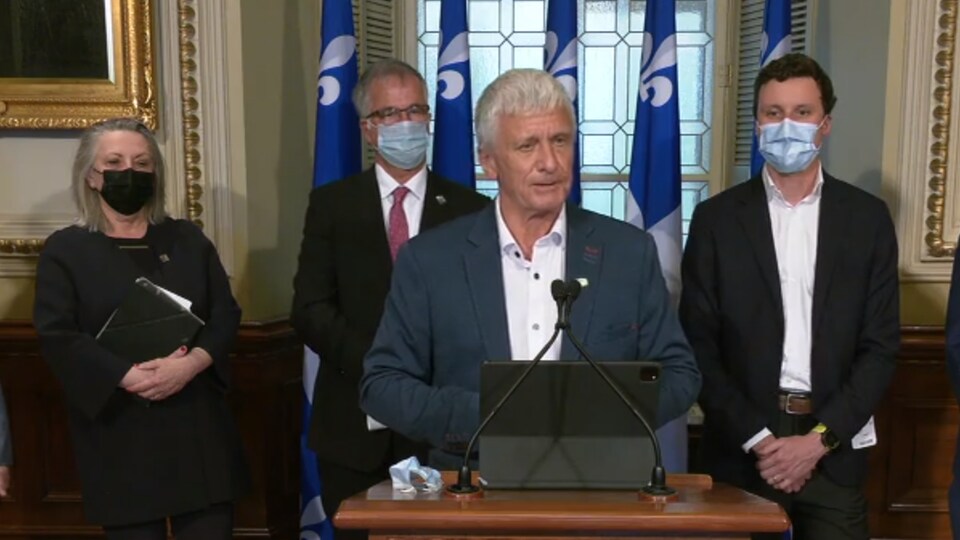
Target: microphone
x,y
561,295
464,485
574,286
658,476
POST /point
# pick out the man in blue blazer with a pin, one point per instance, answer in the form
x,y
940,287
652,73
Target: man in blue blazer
x,y
6,448
953,368
478,288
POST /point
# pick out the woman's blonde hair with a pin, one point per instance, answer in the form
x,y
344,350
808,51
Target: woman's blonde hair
x,y
87,199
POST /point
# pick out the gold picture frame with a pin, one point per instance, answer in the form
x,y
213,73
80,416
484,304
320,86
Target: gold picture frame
x,y
939,171
129,89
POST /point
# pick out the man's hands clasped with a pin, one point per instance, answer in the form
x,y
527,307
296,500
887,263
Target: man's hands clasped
x,y
787,463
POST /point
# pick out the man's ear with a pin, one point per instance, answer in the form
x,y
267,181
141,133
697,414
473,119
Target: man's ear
x,y
369,132
488,163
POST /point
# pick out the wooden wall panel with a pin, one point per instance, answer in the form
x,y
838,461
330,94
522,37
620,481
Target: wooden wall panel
x,y
912,465
266,399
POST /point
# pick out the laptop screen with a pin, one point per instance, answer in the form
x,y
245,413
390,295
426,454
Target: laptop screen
x,y
565,428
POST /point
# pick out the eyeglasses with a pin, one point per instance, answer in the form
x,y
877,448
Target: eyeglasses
x,y
392,115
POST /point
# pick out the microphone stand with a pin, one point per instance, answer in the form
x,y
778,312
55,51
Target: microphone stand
x,y
465,485
658,477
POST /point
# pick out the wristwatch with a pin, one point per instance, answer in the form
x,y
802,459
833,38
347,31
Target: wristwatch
x,y
828,438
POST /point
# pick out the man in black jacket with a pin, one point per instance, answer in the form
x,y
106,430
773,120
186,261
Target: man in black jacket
x,y
352,231
790,301
953,370
6,448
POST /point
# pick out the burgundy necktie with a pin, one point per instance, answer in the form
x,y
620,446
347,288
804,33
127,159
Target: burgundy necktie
x,y
399,232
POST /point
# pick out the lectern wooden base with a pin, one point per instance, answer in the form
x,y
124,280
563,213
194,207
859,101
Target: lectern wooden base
x,y
702,510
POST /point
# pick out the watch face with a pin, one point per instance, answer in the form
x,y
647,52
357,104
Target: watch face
x,y
830,439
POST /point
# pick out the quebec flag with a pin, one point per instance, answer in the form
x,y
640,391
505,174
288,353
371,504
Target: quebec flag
x,y
774,44
453,119
336,156
654,204
560,60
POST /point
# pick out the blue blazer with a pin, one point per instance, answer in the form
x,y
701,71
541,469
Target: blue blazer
x,y
445,315
953,338
953,370
6,446
953,329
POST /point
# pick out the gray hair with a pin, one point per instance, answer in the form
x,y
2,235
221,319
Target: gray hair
x,y
519,92
382,69
86,198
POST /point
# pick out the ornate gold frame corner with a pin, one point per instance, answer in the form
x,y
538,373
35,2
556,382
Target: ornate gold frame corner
x,y
18,246
937,246
79,103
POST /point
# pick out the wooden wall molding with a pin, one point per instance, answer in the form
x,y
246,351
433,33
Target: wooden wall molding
x,y
922,344
912,465
922,137
195,59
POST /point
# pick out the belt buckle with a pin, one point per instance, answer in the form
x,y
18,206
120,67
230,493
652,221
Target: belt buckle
x,y
789,397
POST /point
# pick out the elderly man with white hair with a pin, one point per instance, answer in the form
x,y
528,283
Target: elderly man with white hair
x,y
478,288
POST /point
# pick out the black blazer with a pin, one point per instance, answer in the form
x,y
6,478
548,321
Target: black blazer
x,y
952,345
6,445
140,463
732,312
342,280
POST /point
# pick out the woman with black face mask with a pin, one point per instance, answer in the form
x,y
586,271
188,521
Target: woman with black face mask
x,y
155,441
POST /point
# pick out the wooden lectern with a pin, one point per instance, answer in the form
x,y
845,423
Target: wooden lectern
x,y
702,510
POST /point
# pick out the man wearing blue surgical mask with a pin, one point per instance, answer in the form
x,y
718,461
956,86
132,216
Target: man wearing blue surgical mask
x,y
354,228
790,301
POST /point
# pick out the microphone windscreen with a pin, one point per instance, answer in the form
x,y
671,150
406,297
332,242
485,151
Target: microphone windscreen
x,y
573,288
558,289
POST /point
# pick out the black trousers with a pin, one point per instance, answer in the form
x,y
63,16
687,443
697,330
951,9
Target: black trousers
x,y
340,482
212,523
822,509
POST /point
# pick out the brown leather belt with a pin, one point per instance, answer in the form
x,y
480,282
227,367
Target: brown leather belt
x,y
794,403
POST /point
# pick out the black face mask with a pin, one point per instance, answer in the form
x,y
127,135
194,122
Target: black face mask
x,y
128,190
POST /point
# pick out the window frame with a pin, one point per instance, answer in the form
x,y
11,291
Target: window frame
x,y
724,171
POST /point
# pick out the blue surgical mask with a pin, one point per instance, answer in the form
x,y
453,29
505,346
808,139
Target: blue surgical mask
x,y
789,146
404,144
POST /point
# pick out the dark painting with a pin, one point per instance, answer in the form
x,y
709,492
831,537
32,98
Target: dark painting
x,y
53,39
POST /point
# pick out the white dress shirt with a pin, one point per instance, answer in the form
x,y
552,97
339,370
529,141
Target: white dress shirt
x,y
531,310
412,204
795,229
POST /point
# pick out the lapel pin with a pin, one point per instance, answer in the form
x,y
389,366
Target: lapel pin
x,y
591,254
441,200
164,258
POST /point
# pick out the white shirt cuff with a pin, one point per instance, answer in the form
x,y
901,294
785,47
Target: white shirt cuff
x,y
373,425
747,446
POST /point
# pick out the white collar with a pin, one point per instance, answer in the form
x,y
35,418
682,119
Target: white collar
x,y
556,235
773,192
417,184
